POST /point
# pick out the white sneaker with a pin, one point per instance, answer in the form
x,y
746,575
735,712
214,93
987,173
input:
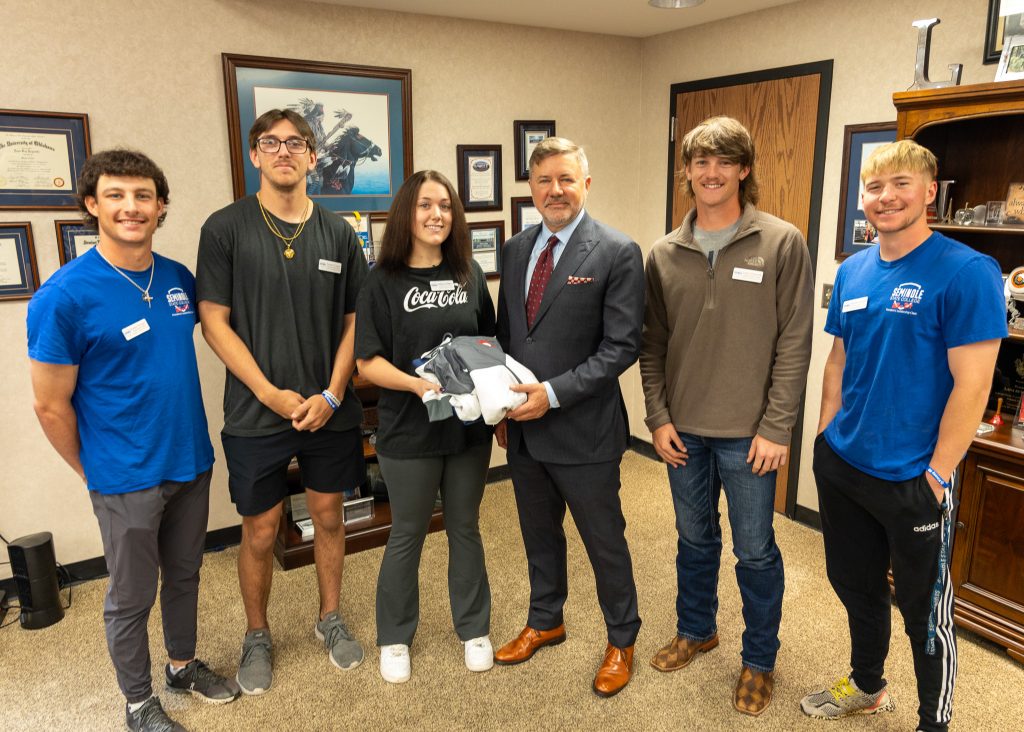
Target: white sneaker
x,y
479,654
394,663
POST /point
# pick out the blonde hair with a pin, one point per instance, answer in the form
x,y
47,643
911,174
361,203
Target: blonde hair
x,y
902,155
726,138
558,146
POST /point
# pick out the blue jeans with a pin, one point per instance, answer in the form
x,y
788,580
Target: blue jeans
x,y
696,488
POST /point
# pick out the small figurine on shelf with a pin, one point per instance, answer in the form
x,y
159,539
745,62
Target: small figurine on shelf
x,y
996,419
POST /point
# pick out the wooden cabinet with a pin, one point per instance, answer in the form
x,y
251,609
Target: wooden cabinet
x,y
977,134
293,551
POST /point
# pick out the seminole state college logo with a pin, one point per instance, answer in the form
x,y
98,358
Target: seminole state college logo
x,y
904,297
178,301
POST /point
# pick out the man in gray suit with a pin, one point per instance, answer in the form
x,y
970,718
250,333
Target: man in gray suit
x,y
571,309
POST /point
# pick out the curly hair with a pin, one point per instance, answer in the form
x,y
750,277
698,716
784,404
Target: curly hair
x,y
123,163
726,138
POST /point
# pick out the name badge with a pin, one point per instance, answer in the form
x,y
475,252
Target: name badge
x,y
748,275
441,285
327,265
135,329
857,303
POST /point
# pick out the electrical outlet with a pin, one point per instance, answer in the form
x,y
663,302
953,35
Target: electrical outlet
x,y
826,295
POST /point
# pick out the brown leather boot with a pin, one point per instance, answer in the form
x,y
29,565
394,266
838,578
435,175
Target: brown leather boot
x,y
527,643
679,651
753,691
615,672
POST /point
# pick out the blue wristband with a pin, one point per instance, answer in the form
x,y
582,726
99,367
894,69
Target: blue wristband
x,y
938,478
331,399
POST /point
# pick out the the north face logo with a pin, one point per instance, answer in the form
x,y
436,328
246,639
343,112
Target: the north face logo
x,y
755,261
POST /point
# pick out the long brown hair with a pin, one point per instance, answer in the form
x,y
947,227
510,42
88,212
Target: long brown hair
x,y
396,246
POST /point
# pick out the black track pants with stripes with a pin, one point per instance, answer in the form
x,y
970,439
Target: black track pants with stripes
x,y
871,524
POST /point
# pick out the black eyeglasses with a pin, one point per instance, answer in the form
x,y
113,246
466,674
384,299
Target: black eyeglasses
x,y
294,145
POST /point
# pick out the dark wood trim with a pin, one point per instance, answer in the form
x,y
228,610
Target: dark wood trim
x,y
807,517
642,447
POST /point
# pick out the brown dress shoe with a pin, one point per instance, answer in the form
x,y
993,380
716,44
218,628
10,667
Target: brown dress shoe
x,y
615,672
529,642
679,651
753,691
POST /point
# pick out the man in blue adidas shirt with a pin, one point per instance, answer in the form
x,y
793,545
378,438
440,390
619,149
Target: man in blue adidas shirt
x,y
917,322
117,393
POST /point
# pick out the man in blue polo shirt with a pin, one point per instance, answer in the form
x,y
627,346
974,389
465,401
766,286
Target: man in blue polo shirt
x,y
917,322
117,393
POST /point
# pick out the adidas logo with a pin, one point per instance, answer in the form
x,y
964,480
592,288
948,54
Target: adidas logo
x,y
926,527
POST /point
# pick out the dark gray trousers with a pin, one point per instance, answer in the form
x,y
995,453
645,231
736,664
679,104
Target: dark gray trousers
x,y
145,533
412,487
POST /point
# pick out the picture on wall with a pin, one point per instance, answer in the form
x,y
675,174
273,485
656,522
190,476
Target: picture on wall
x,y
479,176
19,276
1005,19
855,232
74,239
528,133
41,156
361,118
524,214
487,238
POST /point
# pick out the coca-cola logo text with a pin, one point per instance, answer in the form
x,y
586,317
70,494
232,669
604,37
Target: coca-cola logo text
x,y
417,299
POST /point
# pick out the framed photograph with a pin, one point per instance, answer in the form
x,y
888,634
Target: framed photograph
x,y
524,213
19,276
1005,18
361,117
855,233
527,134
41,155
74,239
487,238
479,178
1011,62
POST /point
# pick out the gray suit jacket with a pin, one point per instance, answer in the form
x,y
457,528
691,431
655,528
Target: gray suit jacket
x,y
587,332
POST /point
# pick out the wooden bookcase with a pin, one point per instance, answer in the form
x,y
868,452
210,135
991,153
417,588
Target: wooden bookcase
x,y
293,551
977,133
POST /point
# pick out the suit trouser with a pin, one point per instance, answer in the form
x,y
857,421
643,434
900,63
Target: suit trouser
x,y
867,523
591,491
146,533
412,487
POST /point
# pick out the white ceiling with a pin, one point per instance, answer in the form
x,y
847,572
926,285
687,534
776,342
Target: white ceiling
x,y
616,17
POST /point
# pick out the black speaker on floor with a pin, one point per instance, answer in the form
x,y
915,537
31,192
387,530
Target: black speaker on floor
x,y
34,565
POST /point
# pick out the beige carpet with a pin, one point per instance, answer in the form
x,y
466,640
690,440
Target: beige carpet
x,y
60,678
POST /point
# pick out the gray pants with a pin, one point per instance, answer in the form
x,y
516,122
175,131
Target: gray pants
x,y
159,529
412,487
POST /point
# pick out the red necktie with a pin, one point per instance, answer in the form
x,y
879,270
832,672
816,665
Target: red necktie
x,y
539,281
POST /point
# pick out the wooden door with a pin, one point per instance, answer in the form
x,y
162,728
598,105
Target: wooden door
x,y
786,112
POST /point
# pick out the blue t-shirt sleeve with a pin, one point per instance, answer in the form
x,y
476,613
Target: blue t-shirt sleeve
x,y
832,325
973,308
52,336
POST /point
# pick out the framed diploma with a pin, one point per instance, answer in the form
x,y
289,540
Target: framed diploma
x,y
41,155
479,177
19,277
361,117
524,213
527,134
487,238
74,239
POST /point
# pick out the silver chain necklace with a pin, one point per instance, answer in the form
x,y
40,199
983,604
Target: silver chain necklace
x,y
145,292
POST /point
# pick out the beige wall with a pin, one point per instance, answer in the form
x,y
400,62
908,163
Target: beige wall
x,y
149,76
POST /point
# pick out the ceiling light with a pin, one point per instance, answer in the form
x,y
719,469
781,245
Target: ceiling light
x,y
673,4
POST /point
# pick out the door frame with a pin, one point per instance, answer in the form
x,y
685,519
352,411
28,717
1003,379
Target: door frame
x,y
824,71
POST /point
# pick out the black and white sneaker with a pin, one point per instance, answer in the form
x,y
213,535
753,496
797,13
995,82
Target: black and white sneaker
x,y
151,717
199,679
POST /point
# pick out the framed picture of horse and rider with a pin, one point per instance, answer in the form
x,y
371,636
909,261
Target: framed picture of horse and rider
x,y
361,117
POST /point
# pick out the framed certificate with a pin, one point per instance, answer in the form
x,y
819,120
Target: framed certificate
x,y
527,134
487,237
41,156
479,177
19,277
74,239
524,213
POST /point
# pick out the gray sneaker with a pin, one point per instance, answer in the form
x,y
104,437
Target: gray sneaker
x,y
255,669
344,650
151,717
844,698
200,680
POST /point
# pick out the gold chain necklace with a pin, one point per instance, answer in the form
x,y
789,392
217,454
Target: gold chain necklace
x,y
288,251
145,292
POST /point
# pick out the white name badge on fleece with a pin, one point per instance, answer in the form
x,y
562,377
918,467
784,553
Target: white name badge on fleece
x,y
135,329
748,275
857,303
442,285
327,265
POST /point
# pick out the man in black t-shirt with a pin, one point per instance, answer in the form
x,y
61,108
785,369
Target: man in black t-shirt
x,y
277,280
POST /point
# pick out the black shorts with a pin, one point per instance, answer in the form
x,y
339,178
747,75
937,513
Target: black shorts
x,y
329,462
